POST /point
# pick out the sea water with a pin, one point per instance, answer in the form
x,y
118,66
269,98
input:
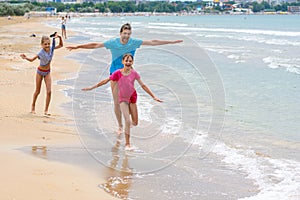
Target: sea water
x,y
229,124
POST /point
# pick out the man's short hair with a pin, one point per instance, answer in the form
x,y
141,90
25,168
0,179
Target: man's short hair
x,y
126,26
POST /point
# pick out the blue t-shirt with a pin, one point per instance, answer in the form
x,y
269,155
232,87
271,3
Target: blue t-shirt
x,y
118,49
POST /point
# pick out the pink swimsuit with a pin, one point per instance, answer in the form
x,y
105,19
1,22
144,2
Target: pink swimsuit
x,y
127,92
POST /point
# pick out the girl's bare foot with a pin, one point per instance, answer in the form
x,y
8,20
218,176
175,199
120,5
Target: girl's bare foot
x,y
128,147
33,110
132,124
46,114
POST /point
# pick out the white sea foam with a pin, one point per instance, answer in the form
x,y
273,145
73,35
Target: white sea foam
x,y
271,41
230,52
227,49
237,58
228,30
91,28
136,23
168,24
90,23
200,140
171,126
144,109
253,38
158,32
294,69
276,178
233,56
240,61
92,32
291,64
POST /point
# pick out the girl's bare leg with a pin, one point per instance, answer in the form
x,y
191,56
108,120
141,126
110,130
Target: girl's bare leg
x,y
115,92
47,80
38,83
134,113
125,111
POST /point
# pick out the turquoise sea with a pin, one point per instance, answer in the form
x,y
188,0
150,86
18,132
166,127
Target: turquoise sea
x,y
229,124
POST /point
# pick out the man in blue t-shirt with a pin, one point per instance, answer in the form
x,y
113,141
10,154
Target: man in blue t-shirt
x,y
118,47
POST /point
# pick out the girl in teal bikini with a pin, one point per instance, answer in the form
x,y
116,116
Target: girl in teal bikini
x,y
43,71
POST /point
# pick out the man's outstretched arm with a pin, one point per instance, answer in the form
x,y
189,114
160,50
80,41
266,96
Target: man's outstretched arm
x,y
93,45
160,42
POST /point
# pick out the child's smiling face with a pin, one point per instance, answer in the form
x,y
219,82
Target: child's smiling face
x,y
46,45
127,61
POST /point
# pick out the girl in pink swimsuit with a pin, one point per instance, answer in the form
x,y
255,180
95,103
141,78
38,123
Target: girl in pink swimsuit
x,y
43,71
127,93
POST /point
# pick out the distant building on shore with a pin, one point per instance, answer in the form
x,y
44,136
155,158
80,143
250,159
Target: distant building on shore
x,y
293,9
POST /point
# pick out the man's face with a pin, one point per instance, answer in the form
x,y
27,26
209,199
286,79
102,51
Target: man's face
x,y
125,35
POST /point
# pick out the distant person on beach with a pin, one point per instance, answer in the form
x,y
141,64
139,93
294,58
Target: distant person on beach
x,y
43,71
126,93
118,47
63,27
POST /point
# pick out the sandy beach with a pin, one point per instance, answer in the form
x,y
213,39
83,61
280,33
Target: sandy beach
x,y
24,176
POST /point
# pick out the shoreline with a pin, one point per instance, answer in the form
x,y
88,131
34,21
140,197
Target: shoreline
x,y
28,176
149,14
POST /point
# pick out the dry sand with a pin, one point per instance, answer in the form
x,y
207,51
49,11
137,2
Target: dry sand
x,y
24,176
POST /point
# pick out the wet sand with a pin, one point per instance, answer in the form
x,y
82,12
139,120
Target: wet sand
x,y
24,176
